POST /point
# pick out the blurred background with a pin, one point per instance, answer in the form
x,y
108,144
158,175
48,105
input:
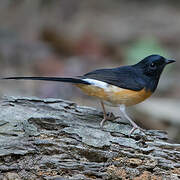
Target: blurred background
x,y
70,38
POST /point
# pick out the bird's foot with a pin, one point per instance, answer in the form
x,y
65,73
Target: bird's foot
x,y
135,127
111,116
108,117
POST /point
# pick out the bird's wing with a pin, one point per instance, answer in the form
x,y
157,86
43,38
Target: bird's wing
x,y
124,77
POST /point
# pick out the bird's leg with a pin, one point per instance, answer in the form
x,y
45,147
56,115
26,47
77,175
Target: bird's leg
x,y
110,116
104,113
124,114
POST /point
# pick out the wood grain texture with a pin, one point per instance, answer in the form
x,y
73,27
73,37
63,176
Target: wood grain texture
x,y
56,139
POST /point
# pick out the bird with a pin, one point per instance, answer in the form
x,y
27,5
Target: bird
x,y
119,87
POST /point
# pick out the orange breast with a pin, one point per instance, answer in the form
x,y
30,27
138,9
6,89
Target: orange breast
x,y
116,95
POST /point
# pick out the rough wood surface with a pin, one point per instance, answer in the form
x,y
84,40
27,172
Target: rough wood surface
x,y
56,139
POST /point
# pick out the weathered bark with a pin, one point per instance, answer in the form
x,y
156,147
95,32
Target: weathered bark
x,y
56,139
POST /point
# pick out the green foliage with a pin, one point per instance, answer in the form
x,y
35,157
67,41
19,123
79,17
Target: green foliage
x,y
144,47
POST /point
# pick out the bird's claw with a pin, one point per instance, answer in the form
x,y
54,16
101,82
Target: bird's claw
x,y
135,128
110,116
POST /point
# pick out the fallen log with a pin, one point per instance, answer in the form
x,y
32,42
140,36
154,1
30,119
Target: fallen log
x,y
57,139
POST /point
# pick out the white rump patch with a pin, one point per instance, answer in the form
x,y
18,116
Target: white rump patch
x,y
97,83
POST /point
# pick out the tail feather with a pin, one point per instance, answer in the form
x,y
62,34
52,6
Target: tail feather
x,y
68,80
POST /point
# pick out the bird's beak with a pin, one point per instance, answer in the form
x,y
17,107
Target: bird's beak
x,y
168,61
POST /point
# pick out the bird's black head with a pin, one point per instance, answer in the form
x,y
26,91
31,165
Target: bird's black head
x,y
152,67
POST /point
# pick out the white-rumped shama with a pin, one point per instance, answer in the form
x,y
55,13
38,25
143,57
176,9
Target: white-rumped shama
x,y
122,86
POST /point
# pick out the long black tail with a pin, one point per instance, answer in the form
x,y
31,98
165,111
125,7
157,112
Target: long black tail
x,y
67,80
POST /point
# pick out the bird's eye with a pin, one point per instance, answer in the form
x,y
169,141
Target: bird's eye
x,y
152,65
